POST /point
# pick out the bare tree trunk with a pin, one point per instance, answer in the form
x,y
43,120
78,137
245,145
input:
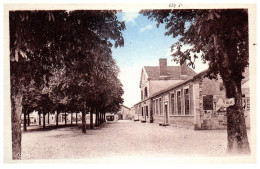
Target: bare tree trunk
x,y
71,117
104,117
48,117
99,118
91,118
16,111
28,118
57,118
24,119
76,117
40,120
84,120
236,126
96,119
43,117
65,118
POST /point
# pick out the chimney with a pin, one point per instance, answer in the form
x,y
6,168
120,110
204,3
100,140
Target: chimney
x,y
163,66
184,69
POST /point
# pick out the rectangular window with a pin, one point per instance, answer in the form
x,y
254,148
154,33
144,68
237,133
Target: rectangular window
x,y
142,111
145,92
141,95
179,102
187,101
146,110
172,103
160,105
157,107
153,108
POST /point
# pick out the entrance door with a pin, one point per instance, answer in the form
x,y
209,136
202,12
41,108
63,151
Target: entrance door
x,y
166,112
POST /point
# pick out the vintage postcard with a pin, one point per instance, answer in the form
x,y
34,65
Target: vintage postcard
x,y
130,83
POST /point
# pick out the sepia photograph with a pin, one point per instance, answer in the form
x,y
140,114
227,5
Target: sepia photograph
x,y
120,83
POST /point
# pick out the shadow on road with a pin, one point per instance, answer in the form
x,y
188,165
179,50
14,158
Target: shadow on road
x,y
49,127
69,126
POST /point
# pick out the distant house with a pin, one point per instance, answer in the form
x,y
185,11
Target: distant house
x,y
195,102
34,118
124,113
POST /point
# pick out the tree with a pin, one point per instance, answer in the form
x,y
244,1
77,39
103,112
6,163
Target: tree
x,y
220,36
42,41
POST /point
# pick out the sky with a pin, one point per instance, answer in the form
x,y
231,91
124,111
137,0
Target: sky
x,y
144,44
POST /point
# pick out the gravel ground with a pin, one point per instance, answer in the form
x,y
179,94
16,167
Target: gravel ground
x,y
122,138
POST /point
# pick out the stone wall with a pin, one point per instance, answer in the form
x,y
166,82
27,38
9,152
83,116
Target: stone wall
x,y
182,121
158,119
159,85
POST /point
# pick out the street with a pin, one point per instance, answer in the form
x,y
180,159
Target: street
x,y
122,138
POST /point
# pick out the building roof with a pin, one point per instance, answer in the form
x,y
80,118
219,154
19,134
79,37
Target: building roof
x,y
201,74
174,72
125,106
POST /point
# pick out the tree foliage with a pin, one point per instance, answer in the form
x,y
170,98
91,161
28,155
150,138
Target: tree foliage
x,y
60,60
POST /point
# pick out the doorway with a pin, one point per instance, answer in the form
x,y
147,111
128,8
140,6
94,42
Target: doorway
x,y
166,112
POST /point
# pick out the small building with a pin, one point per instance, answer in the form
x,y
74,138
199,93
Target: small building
x,y
137,108
124,113
34,118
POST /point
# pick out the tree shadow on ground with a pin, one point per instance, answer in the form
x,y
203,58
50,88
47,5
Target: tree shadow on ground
x,y
51,127
66,127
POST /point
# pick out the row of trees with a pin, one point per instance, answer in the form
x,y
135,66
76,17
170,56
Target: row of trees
x,y
62,61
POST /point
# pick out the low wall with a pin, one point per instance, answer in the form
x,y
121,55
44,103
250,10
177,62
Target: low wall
x,y
158,119
182,121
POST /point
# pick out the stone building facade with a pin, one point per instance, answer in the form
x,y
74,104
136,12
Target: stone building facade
x,y
155,79
197,102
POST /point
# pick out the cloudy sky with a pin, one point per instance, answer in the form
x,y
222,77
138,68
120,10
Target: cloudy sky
x,y
144,45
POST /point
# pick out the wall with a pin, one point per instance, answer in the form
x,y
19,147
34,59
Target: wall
x,y
125,112
178,119
137,108
216,117
212,87
201,117
158,119
182,121
144,117
158,85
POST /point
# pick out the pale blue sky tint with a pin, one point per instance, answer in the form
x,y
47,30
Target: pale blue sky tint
x,y
144,45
